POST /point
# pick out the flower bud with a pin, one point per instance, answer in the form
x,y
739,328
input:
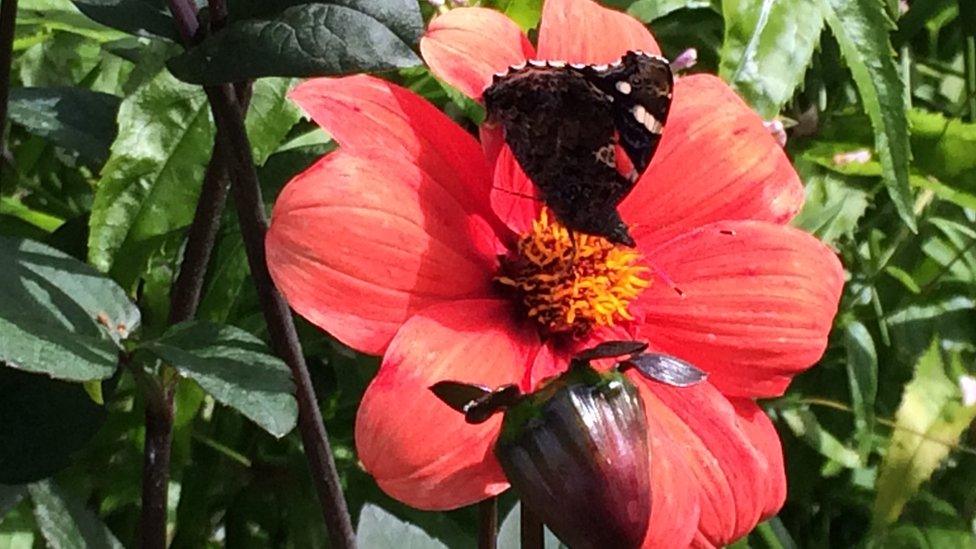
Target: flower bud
x,y
576,452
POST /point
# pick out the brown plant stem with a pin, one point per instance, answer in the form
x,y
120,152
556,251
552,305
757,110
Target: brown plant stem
x,y
532,534
232,138
488,523
8,18
281,327
155,467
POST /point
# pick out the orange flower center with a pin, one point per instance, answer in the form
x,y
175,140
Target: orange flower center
x,y
571,289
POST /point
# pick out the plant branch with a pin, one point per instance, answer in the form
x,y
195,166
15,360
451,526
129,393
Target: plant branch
x,y
532,533
232,137
488,523
281,327
8,18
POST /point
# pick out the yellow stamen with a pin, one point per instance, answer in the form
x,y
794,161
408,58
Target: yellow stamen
x,y
569,288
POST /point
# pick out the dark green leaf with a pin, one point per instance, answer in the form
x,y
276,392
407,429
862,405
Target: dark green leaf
x,y
65,522
378,528
913,326
74,118
150,184
338,37
805,425
861,28
57,315
10,496
930,419
43,422
140,17
767,48
236,368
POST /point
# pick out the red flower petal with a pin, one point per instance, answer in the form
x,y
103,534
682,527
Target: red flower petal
x,y
711,456
755,423
419,450
758,301
466,46
358,246
365,115
715,162
582,31
513,194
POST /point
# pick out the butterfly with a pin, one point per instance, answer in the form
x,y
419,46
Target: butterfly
x,y
582,133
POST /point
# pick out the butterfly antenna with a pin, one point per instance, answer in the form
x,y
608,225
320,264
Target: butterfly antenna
x,y
660,273
518,194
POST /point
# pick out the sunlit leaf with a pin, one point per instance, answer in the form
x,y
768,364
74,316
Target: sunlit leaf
x,y
151,181
930,419
378,528
862,373
767,48
861,28
59,316
65,522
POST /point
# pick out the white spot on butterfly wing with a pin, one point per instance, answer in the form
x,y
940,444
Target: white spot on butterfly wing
x,y
557,64
623,87
601,68
537,63
578,65
518,67
647,119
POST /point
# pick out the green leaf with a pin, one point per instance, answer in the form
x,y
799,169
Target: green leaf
x,y
378,528
806,426
65,522
914,325
861,28
150,184
74,118
336,37
43,422
57,315
236,368
270,116
139,17
862,374
930,418
767,48
833,207
943,147
10,496
649,10
509,532
525,13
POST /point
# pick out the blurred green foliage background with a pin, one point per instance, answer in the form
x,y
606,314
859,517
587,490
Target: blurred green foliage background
x,y
879,103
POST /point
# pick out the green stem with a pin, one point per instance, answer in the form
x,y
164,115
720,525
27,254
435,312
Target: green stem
x,y
8,19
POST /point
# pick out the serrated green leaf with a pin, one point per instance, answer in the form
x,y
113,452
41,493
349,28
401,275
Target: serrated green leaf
x,y
861,28
914,325
64,521
862,374
234,367
378,528
43,422
649,10
833,207
930,418
74,118
59,316
150,184
335,37
270,116
767,48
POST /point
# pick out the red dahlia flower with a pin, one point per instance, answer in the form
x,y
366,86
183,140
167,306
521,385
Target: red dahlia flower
x,y
407,242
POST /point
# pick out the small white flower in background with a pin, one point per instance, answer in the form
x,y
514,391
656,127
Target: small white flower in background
x,y
685,60
968,386
860,156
